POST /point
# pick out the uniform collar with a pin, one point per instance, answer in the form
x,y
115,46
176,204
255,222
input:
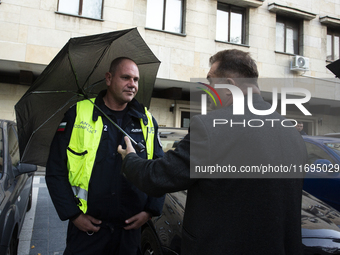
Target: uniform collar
x,y
135,109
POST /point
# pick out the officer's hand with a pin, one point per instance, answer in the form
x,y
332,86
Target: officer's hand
x,y
129,148
137,221
85,223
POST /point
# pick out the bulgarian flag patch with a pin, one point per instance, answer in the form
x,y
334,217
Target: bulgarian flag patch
x,y
62,126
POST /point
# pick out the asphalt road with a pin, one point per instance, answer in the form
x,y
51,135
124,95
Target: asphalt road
x,y
43,233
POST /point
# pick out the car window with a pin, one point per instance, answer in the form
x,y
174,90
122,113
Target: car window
x,y
315,152
1,153
334,147
13,146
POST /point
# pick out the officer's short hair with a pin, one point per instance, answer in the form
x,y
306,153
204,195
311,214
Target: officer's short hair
x,y
116,62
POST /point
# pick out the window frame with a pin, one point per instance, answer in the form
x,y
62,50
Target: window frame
x,y
164,18
287,21
332,32
13,134
233,9
80,10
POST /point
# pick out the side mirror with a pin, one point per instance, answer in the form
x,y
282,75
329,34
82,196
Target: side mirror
x,y
23,168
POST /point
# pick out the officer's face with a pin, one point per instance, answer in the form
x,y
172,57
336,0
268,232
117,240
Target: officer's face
x,y
123,85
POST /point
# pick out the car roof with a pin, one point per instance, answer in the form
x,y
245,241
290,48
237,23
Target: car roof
x,y
321,139
333,135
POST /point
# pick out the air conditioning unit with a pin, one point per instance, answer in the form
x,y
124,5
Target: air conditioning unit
x,y
299,63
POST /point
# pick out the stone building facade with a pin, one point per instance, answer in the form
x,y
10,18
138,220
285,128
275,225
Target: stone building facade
x,y
290,40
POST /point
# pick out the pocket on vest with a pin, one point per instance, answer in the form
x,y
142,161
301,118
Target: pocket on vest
x,y
76,164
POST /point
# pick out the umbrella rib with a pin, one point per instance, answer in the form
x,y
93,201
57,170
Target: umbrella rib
x,y
53,91
80,90
72,98
97,64
95,84
149,63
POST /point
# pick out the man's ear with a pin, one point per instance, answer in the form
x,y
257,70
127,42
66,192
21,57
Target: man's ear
x,y
229,81
108,77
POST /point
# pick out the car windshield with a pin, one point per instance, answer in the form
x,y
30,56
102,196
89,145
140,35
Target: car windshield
x,y
334,147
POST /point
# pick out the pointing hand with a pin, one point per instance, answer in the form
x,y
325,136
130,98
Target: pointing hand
x,y
129,148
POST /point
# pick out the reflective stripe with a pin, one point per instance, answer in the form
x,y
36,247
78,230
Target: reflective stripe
x,y
80,193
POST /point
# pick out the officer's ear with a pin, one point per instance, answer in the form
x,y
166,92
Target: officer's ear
x,y
108,78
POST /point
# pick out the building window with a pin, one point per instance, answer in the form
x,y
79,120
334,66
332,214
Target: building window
x,y
230,23
85,8
287,35
165,15
333,44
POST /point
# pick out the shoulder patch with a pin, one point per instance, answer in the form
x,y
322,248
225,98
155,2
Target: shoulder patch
x,y
62,126
136,130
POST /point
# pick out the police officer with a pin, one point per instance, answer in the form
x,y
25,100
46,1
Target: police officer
x,y
105,211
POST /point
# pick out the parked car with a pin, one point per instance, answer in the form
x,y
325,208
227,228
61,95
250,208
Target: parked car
x,y
324,152
332,135
15,188
162,235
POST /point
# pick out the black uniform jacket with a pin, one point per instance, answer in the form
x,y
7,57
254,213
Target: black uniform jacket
x,y
231,216
111,197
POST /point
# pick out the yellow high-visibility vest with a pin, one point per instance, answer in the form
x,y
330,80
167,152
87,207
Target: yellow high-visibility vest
x,y
83,146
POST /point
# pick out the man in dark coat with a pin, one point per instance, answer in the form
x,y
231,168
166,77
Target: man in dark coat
x,y
299,127
231,213
116,209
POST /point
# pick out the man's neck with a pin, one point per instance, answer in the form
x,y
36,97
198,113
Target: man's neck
x,y
255,89
113,105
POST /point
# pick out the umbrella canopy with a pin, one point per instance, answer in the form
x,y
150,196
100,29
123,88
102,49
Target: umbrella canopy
x,y
334,67
77,70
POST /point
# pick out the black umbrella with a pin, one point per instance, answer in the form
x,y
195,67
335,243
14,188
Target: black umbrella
x,y
77,72
334,67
